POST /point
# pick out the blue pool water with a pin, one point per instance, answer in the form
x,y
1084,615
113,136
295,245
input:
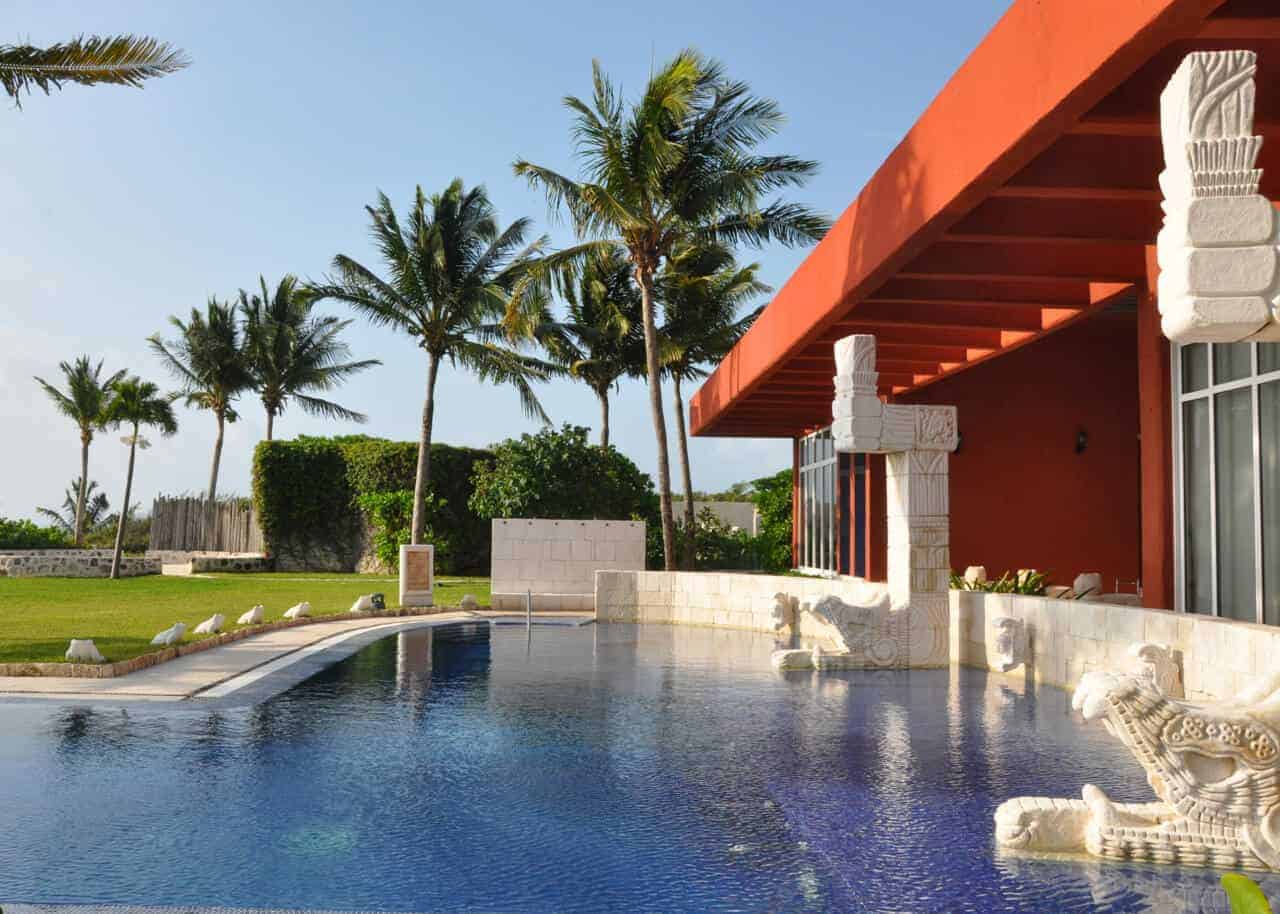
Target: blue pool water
x,y
607,768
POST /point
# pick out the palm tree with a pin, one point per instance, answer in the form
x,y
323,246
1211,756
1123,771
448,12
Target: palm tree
x,y
85,402
137,403
208,359
122,60
449,275
96,507
292,353
600,340
701,290
677,167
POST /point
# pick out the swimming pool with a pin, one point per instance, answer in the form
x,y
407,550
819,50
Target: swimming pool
x,y
605,768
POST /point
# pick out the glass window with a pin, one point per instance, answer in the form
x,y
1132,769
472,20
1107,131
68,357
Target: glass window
x,y
1197,513
1269,477
1268,357
1233,461
818,471
1232,361
1195,367
1228,479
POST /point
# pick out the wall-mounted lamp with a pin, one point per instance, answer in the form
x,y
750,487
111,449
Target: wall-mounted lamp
x,y
1082,441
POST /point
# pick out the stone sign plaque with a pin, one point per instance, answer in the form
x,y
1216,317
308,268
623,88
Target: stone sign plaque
x,y
417,572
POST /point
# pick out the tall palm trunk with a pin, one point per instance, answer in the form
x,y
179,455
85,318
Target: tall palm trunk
x,y
124,506
603,395
217,455
422,479
83,495
271,421
644,275
682,440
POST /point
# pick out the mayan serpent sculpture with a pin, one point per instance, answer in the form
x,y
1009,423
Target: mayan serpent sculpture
x,y
1215,769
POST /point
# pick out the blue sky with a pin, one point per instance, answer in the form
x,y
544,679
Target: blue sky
x,y
121,207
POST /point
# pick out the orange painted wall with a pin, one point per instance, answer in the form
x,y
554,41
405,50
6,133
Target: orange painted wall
x,y
1021,497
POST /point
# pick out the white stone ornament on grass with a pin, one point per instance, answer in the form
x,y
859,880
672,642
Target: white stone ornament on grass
x,y
83,650
253,616
1219,266
211,625
363,604
300,611
171,635
468,603
417,575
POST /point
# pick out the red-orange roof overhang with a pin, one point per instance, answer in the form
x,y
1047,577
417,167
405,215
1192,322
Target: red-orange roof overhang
x,y
1021,200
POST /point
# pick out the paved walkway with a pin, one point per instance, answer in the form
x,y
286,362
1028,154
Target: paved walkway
x,y
188,676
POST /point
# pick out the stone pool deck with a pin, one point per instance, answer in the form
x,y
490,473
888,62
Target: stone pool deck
x,y
221,671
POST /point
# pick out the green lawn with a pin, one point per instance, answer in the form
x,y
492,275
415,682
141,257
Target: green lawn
x,y
38,616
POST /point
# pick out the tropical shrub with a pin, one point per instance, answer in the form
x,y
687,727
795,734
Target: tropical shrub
x,y
773,497
559,473
390,517
1025,581
137,533
23,534
311,498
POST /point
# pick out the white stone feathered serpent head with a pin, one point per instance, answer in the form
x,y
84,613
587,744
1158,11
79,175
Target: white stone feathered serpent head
x,y
1011,643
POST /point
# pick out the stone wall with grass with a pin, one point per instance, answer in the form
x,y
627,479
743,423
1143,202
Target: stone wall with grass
x,y
71,563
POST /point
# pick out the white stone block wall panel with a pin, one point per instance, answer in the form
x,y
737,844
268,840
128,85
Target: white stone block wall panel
x,y
1069,638
557,559
918,636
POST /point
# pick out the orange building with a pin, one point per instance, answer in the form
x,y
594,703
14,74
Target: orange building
x,y
1003,256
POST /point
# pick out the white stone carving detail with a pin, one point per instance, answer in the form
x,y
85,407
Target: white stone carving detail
x,y
907,626
85,651
1219,264
211,625
1159,663
252,617
1011,643
299,611
171,635
1215,770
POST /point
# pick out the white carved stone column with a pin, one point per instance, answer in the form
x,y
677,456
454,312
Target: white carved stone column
x,y
1219,267
916,441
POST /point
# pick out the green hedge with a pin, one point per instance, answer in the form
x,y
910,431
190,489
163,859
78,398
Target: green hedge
x,y
23,534
307,494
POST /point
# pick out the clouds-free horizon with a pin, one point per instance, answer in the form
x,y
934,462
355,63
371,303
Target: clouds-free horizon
x,y
125,206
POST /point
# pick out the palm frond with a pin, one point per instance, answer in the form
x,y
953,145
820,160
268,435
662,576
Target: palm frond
x,y
122,60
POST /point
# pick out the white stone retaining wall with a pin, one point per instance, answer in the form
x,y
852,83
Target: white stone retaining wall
x,y
750,602
70,563
1068,638
558,559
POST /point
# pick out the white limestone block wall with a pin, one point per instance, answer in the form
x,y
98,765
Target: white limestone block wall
x,y
558,559
1068,638
751,602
